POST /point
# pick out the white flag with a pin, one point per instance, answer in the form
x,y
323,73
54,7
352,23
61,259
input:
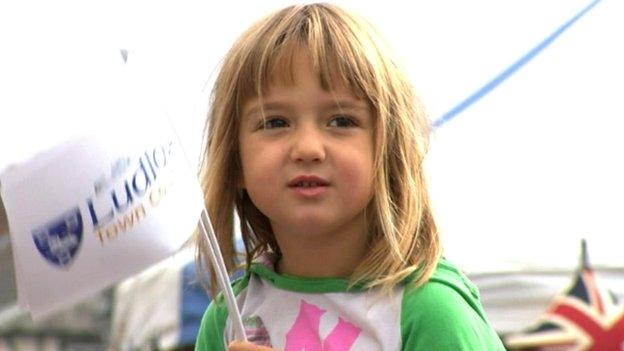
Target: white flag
x,y
97,209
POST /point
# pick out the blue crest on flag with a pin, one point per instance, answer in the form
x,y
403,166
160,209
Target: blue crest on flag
x,y
59,240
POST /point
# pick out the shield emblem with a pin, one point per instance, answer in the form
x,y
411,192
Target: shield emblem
x,y
59,240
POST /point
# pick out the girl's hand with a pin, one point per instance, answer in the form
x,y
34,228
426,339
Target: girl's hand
x,y
245,346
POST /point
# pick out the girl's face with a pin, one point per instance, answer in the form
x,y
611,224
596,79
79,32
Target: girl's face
x,y
308,166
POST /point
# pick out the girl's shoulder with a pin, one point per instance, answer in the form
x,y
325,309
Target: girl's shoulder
x,y
449,276
447,309
446,284
210,333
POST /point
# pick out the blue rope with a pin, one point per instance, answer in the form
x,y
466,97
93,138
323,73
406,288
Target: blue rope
x,y
484,90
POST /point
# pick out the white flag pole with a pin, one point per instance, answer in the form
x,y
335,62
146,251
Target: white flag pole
x,y
222,276
216,258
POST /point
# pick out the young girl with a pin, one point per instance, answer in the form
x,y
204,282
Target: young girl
x,y
316,139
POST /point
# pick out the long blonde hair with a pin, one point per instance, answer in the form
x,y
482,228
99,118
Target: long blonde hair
x,y
345,49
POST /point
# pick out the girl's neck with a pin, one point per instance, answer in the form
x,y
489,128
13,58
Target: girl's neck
x,y
334,254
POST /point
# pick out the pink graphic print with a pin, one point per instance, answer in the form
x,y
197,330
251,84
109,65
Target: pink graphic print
x,y
304,334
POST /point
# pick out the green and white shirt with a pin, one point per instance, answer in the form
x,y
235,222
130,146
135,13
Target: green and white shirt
x,y
303,314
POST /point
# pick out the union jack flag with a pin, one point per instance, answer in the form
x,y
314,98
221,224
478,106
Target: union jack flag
x,y
586,317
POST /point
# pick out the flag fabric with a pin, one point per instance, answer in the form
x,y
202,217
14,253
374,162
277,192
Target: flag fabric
x,y
586,317
98,208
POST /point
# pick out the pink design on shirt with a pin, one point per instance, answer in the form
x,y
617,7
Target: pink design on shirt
x,y
304,334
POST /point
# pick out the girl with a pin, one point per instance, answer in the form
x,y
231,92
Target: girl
x,y
317,141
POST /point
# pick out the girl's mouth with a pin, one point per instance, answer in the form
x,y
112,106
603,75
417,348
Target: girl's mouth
x,y
308,185
309,190
306,181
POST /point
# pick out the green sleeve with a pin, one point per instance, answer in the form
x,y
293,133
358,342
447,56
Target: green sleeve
x,y
210,336
445,315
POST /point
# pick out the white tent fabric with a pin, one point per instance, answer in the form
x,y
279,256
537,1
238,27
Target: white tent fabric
x,y
147,307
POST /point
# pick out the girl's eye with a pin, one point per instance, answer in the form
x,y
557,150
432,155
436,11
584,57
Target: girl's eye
x,y
272,123
342,122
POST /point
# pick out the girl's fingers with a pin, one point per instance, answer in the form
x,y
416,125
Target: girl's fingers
x,y
244,346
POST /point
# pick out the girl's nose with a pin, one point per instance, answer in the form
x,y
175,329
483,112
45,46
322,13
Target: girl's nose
x,y
308,145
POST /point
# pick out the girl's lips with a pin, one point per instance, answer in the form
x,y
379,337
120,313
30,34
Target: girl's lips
x,y
309,191
307,181
308,185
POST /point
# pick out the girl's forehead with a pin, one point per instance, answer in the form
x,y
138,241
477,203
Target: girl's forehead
x,y
298,65
289,92
298,90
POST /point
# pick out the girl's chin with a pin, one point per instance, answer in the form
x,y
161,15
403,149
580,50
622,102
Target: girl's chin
x,y
300,224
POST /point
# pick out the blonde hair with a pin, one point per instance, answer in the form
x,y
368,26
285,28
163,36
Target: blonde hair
x,y
345,49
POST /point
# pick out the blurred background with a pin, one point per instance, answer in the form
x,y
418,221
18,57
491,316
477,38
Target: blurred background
x,y
525,161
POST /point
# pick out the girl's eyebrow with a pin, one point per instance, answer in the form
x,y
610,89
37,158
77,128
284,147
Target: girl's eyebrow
x,y
349,104
265,106
331,105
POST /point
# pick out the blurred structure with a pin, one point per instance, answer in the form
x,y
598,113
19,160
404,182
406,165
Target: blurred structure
x,y
84,327
7,288
160,308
